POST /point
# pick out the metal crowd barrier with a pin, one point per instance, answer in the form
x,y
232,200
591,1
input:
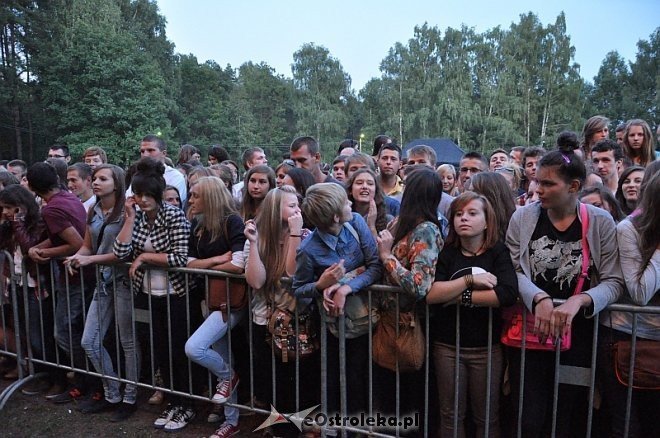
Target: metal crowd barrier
x,y
17,295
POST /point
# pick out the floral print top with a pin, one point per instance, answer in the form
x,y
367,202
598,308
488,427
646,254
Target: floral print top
x,y
413,261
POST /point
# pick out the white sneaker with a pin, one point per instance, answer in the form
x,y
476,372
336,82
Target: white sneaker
x,y
180,420
166,416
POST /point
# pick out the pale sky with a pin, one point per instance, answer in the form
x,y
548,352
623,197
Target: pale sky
x,y
360,33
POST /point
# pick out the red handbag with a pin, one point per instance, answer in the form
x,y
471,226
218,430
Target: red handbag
x,y
513,329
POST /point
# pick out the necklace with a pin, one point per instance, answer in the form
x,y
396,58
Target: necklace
x,y
472,253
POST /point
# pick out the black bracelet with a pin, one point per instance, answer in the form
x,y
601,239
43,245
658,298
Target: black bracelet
x,y
535,303
295,235
466,298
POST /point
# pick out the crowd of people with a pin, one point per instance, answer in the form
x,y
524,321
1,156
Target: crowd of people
x,y
460,242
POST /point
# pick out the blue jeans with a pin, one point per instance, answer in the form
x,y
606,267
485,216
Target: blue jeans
x,y
198,348
109,303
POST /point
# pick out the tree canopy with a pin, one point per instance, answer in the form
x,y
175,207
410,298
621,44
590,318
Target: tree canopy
x,y
103,72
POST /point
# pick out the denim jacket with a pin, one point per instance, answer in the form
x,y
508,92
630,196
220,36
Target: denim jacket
x,y
321,250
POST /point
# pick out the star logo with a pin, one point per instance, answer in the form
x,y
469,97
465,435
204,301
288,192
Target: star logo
x,y
296,418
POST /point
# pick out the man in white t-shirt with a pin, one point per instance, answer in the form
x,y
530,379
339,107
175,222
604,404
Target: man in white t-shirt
x,y
155,147
79,182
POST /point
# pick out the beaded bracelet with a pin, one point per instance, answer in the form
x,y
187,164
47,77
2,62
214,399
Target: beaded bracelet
x,y
466,298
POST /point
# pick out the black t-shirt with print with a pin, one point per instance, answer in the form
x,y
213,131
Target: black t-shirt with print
x,y
556,257
556,264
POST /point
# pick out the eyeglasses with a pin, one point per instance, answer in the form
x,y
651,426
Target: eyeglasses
x,y
470,169
56,156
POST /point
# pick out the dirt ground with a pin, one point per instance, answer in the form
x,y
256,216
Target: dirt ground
x,y
34,416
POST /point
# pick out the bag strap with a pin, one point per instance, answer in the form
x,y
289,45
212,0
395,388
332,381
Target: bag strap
x,y
586,255
353,231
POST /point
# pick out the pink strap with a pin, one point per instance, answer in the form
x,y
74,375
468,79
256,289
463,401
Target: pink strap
x,y
584,218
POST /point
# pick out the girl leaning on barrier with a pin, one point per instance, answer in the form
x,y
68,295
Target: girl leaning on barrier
x,y
545,243
409,252
158,235
335,264
639,252
112,296
216,242
21,227
273,238
475,273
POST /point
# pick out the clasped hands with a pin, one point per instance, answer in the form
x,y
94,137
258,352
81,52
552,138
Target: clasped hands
x,y
334,294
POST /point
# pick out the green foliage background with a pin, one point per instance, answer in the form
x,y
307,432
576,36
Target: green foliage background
x,y
102,72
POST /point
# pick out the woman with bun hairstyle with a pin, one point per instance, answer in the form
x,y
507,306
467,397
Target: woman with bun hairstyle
x,y
638,237
638,144
158,235
113,299
259,180
545,241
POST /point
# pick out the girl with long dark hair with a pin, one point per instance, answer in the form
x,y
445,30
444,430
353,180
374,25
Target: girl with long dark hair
x,y
409,252
259,180
638,237
113,299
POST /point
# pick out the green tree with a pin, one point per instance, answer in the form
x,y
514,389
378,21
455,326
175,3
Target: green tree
x,y
97,86
322,92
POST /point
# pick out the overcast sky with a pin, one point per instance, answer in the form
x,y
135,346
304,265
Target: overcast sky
x,y
359,33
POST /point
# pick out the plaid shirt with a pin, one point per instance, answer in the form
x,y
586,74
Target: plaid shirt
x,y
169,234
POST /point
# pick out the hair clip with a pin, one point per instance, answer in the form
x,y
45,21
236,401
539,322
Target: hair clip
x,y
566,159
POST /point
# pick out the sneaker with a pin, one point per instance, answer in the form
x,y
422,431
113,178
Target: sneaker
x,y
96,403
36,387
68,396
225,431
225,389
180,420
166,416
54,391
123,412
156,398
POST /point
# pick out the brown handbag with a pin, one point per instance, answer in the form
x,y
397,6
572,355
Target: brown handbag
x,y
646,371
226,294
289,341
408,348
